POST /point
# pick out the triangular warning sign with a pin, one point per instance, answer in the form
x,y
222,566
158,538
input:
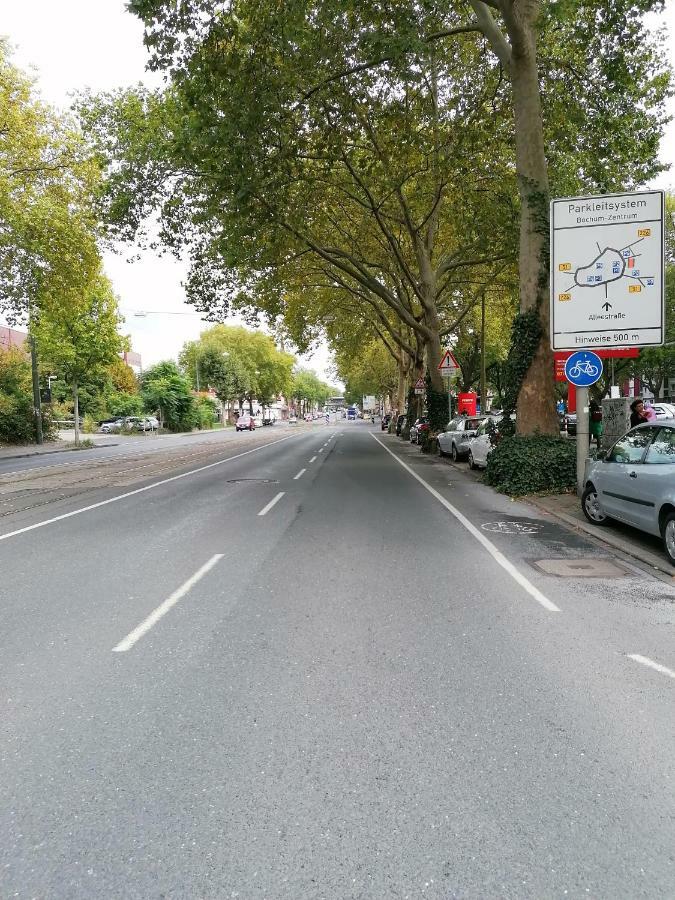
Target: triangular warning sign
x,y
448,363
420,383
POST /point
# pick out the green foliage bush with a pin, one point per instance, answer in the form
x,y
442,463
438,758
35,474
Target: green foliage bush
x,y
534,464
206,412
165,389
438,411
17,421
89,424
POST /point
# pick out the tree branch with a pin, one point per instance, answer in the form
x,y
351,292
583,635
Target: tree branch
x,y
492,31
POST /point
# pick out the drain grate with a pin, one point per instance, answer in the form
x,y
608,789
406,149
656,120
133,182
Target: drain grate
x,y
253,480
581,568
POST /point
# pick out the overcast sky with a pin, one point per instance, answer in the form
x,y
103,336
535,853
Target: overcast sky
x,y
72,44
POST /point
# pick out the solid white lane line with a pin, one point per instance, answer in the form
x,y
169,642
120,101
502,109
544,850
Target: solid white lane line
x,y
299,475
148,487
273,502
646,661
496,554
312,459
154,617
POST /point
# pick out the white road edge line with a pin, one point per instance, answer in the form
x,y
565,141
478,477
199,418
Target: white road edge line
x,y
320,449
299,475
273,502
312,459
496,554
646,661
134,636
148,487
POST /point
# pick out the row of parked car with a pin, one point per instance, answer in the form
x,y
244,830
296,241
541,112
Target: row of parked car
x,y
465,437
129,423
633,482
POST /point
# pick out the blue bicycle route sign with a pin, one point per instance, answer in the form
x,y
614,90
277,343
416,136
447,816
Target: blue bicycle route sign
x,y
583,368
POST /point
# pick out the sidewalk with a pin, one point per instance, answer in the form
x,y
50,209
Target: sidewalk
x,y
63,444
631,541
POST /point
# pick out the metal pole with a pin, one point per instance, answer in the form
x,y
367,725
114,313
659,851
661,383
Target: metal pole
x,y
483,379
36,389
582,436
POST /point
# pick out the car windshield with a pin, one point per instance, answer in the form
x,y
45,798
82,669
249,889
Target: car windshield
x,y
662,449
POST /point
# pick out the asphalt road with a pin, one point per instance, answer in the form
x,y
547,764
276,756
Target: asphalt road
x,y
311,672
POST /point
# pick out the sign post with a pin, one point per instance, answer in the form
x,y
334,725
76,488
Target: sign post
x,y
582,369
449,367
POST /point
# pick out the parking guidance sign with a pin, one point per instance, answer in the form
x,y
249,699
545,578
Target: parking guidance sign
x,y
607,271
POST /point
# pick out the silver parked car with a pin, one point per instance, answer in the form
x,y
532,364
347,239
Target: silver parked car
x,y
635,483
454,441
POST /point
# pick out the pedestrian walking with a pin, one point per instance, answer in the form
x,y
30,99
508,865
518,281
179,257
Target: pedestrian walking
x,y
595,421
638,416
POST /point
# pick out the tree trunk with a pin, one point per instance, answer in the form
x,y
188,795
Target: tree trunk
x,y
433,352
536,401
399,403
76,410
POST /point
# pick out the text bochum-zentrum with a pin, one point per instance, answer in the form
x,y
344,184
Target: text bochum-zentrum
x,y
613,208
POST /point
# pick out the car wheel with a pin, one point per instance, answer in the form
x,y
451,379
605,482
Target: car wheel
x,y
590,505
455,454
472,464
669,536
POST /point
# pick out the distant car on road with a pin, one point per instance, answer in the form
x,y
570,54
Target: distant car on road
x,y
245,422
454,441
571,424
268,420
635,483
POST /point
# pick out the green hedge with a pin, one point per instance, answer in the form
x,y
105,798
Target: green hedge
x,y
530,465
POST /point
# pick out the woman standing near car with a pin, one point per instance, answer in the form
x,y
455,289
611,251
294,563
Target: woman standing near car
x,y
638,416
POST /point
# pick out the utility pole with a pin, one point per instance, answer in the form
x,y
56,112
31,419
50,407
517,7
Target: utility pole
x,y
483,379
37,407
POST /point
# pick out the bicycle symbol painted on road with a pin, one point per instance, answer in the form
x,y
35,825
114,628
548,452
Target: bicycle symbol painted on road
x,y
511,527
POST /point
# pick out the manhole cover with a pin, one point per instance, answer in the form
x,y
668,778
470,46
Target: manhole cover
x,y
581,568
509,526
254,480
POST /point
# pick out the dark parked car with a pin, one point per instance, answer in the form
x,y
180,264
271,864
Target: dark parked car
x,y
400,422
385,422
571,423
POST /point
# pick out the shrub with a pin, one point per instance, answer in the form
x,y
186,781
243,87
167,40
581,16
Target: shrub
x,y
206,413
89,424
17,419
534,464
